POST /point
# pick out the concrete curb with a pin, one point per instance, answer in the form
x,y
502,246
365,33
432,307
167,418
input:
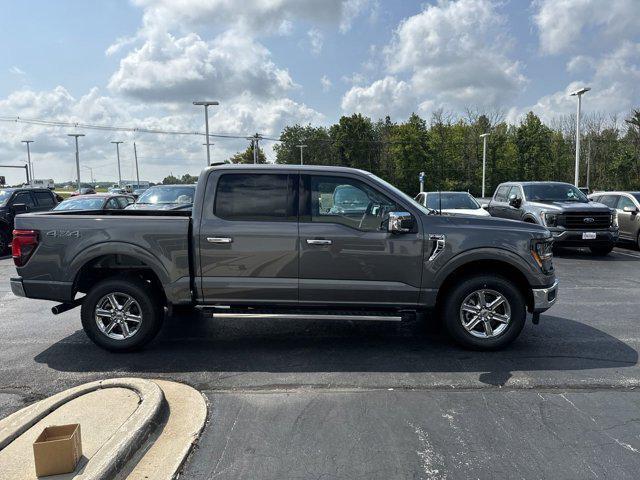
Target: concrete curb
x,y
121,446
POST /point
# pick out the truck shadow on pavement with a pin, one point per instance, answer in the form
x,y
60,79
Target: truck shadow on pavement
x,y
188,344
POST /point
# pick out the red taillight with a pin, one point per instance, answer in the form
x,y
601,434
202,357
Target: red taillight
x,y
23,245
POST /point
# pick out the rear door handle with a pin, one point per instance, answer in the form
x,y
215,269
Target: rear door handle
x,y
219,239
318,241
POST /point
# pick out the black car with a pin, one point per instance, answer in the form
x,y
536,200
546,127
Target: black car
x,y
14,201
573,219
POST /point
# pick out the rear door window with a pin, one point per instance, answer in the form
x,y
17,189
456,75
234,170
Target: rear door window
x,y
44,199
625,202
257,197
23,197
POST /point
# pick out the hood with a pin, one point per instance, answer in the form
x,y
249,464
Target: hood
x,y
498,225
572,206
478,212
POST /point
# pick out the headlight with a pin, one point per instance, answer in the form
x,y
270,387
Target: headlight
x,y
549,219
614,219
542,253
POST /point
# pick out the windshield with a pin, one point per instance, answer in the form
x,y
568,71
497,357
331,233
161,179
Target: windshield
x,y
451,201
165,195
4,196
553,192
81,204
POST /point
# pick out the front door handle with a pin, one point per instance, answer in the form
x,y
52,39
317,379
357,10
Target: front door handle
x,y
219,240
318,241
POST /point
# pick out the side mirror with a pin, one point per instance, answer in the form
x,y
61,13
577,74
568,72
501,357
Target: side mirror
x,y
630,209
485,206
514,201
19,208
400,222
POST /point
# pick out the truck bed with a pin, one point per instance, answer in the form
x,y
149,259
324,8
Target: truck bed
x,y
68,241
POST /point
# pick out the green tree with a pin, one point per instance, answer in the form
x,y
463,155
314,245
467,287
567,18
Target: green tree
x,y
247,156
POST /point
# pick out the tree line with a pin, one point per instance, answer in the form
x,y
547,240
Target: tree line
x,y
449,150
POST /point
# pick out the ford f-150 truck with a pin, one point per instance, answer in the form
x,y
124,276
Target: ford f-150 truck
x,y
287,241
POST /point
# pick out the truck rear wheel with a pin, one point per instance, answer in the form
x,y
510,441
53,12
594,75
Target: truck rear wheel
x,y
484,312
120,315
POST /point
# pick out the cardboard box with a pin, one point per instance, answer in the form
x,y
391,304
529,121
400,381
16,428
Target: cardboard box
x,y
57,450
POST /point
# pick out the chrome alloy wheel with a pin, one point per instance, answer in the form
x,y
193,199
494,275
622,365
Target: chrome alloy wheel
x,y
118,316
485,313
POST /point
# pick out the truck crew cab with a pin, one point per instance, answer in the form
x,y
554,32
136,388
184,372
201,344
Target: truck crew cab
x,y
571,217
287,241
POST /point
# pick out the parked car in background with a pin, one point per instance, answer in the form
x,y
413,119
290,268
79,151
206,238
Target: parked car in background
x,y
117,190
627,205
165,197
451,203
84,191
14,201
573,219
96,201
260,243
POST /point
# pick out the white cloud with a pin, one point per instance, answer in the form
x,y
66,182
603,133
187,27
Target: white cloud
x,y
563,24
387,96
316,39
180,69
453,54
326,83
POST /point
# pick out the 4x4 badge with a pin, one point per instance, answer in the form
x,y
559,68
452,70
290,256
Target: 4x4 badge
x,y
63,233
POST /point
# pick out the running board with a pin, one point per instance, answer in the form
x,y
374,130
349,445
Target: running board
x,y
356,316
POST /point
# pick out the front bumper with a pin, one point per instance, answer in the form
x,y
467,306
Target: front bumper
x,y
563,237
544,298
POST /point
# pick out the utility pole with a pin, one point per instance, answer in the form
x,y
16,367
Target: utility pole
x,y
118,155
91,172
206,105
578,93
255,145
301,147
135,155
76,135
29,159
484,160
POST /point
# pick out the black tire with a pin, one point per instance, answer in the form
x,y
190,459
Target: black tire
x,y
638,241
5,241
150,310
601,251
451,309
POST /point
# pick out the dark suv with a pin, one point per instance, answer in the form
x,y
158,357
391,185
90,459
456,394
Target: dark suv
x,y
21,200
573,219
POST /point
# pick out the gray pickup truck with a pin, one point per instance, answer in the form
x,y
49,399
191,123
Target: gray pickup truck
x,y
287,241
573,219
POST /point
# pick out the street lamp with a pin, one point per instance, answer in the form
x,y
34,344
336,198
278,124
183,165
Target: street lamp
x,y
76,135
484,159
578,93
206,123
118,154
29,159
301,147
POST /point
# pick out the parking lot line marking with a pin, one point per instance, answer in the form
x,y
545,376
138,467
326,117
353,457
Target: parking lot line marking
x,y
627,254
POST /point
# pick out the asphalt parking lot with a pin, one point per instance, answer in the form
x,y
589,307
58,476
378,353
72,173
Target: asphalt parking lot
x,y
297,400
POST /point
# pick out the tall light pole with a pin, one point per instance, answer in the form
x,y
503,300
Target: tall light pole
x,y
29,159
135,156
484,160
118,155
206,123
578,93
76,135
301,147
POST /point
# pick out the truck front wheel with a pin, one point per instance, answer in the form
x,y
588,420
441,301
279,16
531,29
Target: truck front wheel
x,y
119,314
484,312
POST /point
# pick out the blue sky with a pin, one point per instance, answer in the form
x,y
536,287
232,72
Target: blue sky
x,y
276,62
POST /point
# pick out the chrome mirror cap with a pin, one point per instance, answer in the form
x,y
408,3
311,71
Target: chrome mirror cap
x,y
400,222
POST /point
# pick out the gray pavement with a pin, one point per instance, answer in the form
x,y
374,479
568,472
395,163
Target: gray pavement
x,y
313,399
